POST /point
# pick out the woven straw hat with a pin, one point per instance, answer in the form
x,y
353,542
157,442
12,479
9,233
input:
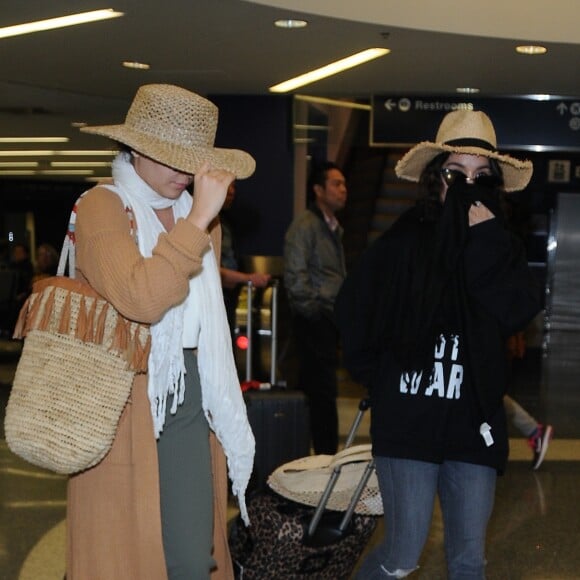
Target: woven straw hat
x,y
468,132
177,128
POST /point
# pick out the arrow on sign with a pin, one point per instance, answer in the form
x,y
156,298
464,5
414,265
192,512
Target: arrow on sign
x,y
390,104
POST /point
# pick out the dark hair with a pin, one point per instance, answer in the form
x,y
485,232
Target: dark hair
x,y
430,183
430,180
318,176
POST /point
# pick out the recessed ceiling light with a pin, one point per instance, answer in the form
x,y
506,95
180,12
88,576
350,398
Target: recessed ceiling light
x,y
329,69
59,22
467,90
78,124
290,23
136,65
531,49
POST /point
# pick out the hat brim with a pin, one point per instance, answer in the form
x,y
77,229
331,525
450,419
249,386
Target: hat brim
x,y
516,173
186,159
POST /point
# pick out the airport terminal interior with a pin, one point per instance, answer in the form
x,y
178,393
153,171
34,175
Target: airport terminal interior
x,y
534,531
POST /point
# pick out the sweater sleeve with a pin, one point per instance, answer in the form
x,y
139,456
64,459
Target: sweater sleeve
x,y
140,288
498,276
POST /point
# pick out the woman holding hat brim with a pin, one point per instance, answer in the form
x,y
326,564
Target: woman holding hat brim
x,y
424,317
155,507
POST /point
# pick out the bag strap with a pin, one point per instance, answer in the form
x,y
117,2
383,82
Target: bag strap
x,y
67,253
354,454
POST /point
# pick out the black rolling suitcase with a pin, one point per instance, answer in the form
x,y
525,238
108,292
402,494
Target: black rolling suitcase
x,y
278,416
295,542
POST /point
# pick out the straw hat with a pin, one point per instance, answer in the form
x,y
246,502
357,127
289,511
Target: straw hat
x,y
177,128
468,132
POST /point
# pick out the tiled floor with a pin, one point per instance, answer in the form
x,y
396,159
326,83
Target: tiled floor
x,y
534,532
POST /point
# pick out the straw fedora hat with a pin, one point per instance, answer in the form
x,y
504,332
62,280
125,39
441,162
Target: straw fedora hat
x,y
468,132
175,127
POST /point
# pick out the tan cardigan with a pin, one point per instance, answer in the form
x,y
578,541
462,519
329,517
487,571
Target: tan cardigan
x,y
113,513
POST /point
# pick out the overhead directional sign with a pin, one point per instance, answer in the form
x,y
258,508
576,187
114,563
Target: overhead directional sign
x,y
534,122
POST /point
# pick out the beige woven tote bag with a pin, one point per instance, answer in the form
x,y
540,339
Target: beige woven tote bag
x,y
74,376
75,372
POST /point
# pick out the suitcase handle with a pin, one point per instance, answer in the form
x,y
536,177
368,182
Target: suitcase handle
x,y
274,284
364,405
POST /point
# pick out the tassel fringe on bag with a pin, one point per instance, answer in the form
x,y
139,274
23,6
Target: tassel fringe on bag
x,y
74,376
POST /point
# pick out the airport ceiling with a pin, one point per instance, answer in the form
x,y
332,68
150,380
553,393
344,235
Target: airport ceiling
x,y
51,79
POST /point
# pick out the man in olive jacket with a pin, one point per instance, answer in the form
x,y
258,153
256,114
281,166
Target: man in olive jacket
x,y
314,269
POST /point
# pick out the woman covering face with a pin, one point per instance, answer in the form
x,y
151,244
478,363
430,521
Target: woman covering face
x,y
424,317
155,507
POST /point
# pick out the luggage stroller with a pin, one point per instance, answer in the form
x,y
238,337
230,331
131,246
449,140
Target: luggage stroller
x,y
293,541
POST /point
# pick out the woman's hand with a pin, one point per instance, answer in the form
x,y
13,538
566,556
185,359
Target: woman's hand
x,y
209,193
479,213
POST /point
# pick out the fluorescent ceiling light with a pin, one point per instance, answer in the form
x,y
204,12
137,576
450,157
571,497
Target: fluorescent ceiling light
x,y
333,102
46,172
80,164
329,70
59,22
311,127
66,172
47,153
33,139
18,163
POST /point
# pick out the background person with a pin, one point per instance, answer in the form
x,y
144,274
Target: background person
x,y
231,276
314,269
537,434
46,262
21,263
424,318
148,509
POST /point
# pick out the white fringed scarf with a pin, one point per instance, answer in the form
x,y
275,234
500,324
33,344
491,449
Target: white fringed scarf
x,y
222,399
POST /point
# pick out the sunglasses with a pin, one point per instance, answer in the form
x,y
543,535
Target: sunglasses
x,y
451,176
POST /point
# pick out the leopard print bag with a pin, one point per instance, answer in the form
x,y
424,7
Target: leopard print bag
x,y
275,545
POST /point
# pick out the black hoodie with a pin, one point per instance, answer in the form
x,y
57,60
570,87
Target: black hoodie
x,y
424,317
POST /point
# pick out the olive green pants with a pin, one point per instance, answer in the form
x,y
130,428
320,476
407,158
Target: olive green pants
x,y
186,484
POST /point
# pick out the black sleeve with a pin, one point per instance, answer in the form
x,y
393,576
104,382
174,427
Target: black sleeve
x,y
498,276
358,314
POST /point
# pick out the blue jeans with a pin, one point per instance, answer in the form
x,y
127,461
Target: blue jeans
x,y
408,488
